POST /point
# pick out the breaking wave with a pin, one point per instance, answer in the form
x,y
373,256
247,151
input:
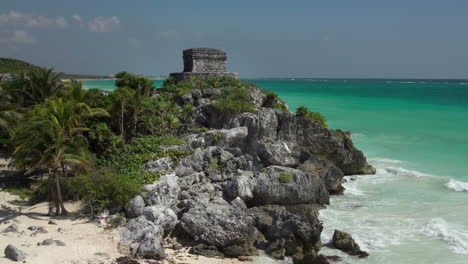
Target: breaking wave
x,y
457,186
457,239
404,172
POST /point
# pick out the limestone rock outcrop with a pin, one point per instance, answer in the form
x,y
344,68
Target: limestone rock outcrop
x,y
253,180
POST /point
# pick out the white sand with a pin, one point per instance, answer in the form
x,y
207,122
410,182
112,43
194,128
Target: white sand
x,y
82,238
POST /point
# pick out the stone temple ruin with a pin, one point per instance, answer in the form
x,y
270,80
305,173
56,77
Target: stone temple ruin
x,y
204,63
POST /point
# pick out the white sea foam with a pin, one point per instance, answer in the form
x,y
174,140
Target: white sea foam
x,y
456,238
407,82
384,160
457,186
397,171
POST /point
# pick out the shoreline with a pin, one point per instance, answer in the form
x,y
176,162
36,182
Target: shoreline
x,y
85,240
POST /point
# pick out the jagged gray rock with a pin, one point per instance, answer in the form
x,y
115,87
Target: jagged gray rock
x,y
14,254
159,166
218,225
161,216
164,192
331,174
301,188
345,242
143,238
253,176
135,207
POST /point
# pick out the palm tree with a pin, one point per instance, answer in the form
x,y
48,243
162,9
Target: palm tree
x,y
124,97
52,137
35,86
76,91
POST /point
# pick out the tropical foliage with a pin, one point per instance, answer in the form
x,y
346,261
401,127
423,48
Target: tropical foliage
x,y
92,144
303,112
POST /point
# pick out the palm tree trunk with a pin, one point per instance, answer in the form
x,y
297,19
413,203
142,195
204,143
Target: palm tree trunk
x,y
122,119
50,193
59,201
62,207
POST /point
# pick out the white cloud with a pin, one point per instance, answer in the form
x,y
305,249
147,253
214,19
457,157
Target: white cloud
x,y
26,20
61,22
22,37
77,18
104,24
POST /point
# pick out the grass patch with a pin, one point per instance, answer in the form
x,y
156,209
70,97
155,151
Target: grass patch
x,y
216,137
235,100
303,112
23,193
272,100
285,177
337,134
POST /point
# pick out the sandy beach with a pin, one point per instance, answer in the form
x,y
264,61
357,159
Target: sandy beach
x,y
85,241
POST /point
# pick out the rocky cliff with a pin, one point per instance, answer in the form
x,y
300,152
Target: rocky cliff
x,y
255,180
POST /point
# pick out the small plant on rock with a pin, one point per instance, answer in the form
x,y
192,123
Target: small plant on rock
x,y
285,177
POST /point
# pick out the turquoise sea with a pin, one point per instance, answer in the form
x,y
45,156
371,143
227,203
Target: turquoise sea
x,y
415,132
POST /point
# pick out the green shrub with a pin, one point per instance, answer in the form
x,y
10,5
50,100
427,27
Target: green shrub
x,y
103,141
235,100
337,134
285,177
201,130
133,156
272,100
69,190
216,164
265,170
161,116
216,137
142,85
106,189
23,193
303,112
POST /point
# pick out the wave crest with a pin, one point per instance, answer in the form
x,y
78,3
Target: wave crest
x,y
438,228
404,172
457,186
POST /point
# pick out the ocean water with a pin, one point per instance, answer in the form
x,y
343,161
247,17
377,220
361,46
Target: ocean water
x,y
415,132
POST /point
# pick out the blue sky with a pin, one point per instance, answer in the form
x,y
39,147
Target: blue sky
x,y
332,38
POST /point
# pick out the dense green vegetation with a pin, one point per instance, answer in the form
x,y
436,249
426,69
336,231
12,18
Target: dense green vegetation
x,y
273,101
92,144
14,66
303,112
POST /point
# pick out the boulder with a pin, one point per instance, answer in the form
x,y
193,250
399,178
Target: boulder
x,y
276,154
283,185
143,239
161,216
135,207
14,254
241,186
13,228
162,165
345,242
295,230
49,242
164,192
217,225
331,175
